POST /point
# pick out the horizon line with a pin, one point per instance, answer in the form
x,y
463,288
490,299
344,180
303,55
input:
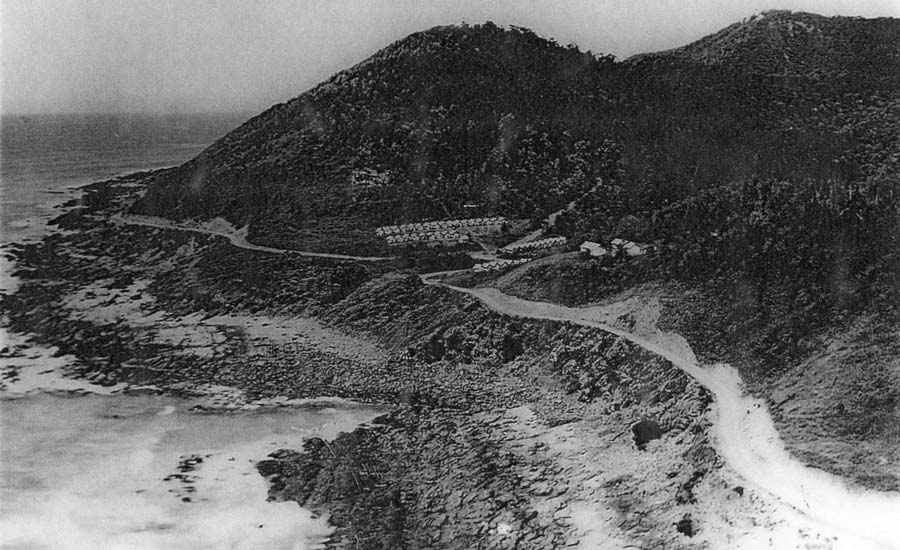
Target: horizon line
x,y
125,113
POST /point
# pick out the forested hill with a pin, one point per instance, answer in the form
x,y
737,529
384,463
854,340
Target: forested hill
x,y
522,125
444,117
784,43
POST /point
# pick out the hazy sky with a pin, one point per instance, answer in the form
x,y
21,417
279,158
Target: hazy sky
x,y
224,55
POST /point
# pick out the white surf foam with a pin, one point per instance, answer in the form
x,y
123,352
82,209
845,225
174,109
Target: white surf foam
x,y
90,472
26,367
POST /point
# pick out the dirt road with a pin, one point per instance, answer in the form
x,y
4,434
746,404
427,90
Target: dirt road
x,y
746,438
238,237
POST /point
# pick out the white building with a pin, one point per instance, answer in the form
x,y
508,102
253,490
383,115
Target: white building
x,y
494,222
593,249
499,264
446,238
621,246
532,246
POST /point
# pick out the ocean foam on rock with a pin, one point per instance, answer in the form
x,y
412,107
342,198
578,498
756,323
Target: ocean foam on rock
x,y
139,473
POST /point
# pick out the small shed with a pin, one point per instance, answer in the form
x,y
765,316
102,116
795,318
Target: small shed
x,y
621,246
593,249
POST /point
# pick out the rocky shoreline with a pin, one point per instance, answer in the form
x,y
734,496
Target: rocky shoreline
x,y
505,433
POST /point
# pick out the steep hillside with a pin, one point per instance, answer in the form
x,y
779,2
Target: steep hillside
x,y
798,44
445,117
832,78
521,125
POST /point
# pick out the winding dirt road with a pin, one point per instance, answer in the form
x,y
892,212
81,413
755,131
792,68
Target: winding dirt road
x,y
745,435
238,237
743,430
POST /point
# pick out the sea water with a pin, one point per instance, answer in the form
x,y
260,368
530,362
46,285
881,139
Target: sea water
x,y
86,467
43,158
132,473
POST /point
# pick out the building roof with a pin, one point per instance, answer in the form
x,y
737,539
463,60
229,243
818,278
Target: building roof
x,y
424,226
535,245
595,249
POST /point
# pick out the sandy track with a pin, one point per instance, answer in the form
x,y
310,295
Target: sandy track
x,y
238,238
746,437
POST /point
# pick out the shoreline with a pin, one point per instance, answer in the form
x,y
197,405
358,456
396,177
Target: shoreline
x,y
285,340
42,367
391,378
149,472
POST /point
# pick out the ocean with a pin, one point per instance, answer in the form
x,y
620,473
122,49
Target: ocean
x,y
43,158
84,467
126,472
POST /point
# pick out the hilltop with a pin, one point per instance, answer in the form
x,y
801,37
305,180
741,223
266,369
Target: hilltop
x,y
798,44
521,125
412,133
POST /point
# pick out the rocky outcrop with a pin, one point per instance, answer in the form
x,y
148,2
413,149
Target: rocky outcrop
x,y
508,432
511,465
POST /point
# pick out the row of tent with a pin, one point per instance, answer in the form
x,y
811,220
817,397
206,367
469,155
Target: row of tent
x,y
499,264
438,225
534,245
446,237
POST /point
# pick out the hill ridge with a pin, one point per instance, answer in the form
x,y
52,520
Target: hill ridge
x,y
514,122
